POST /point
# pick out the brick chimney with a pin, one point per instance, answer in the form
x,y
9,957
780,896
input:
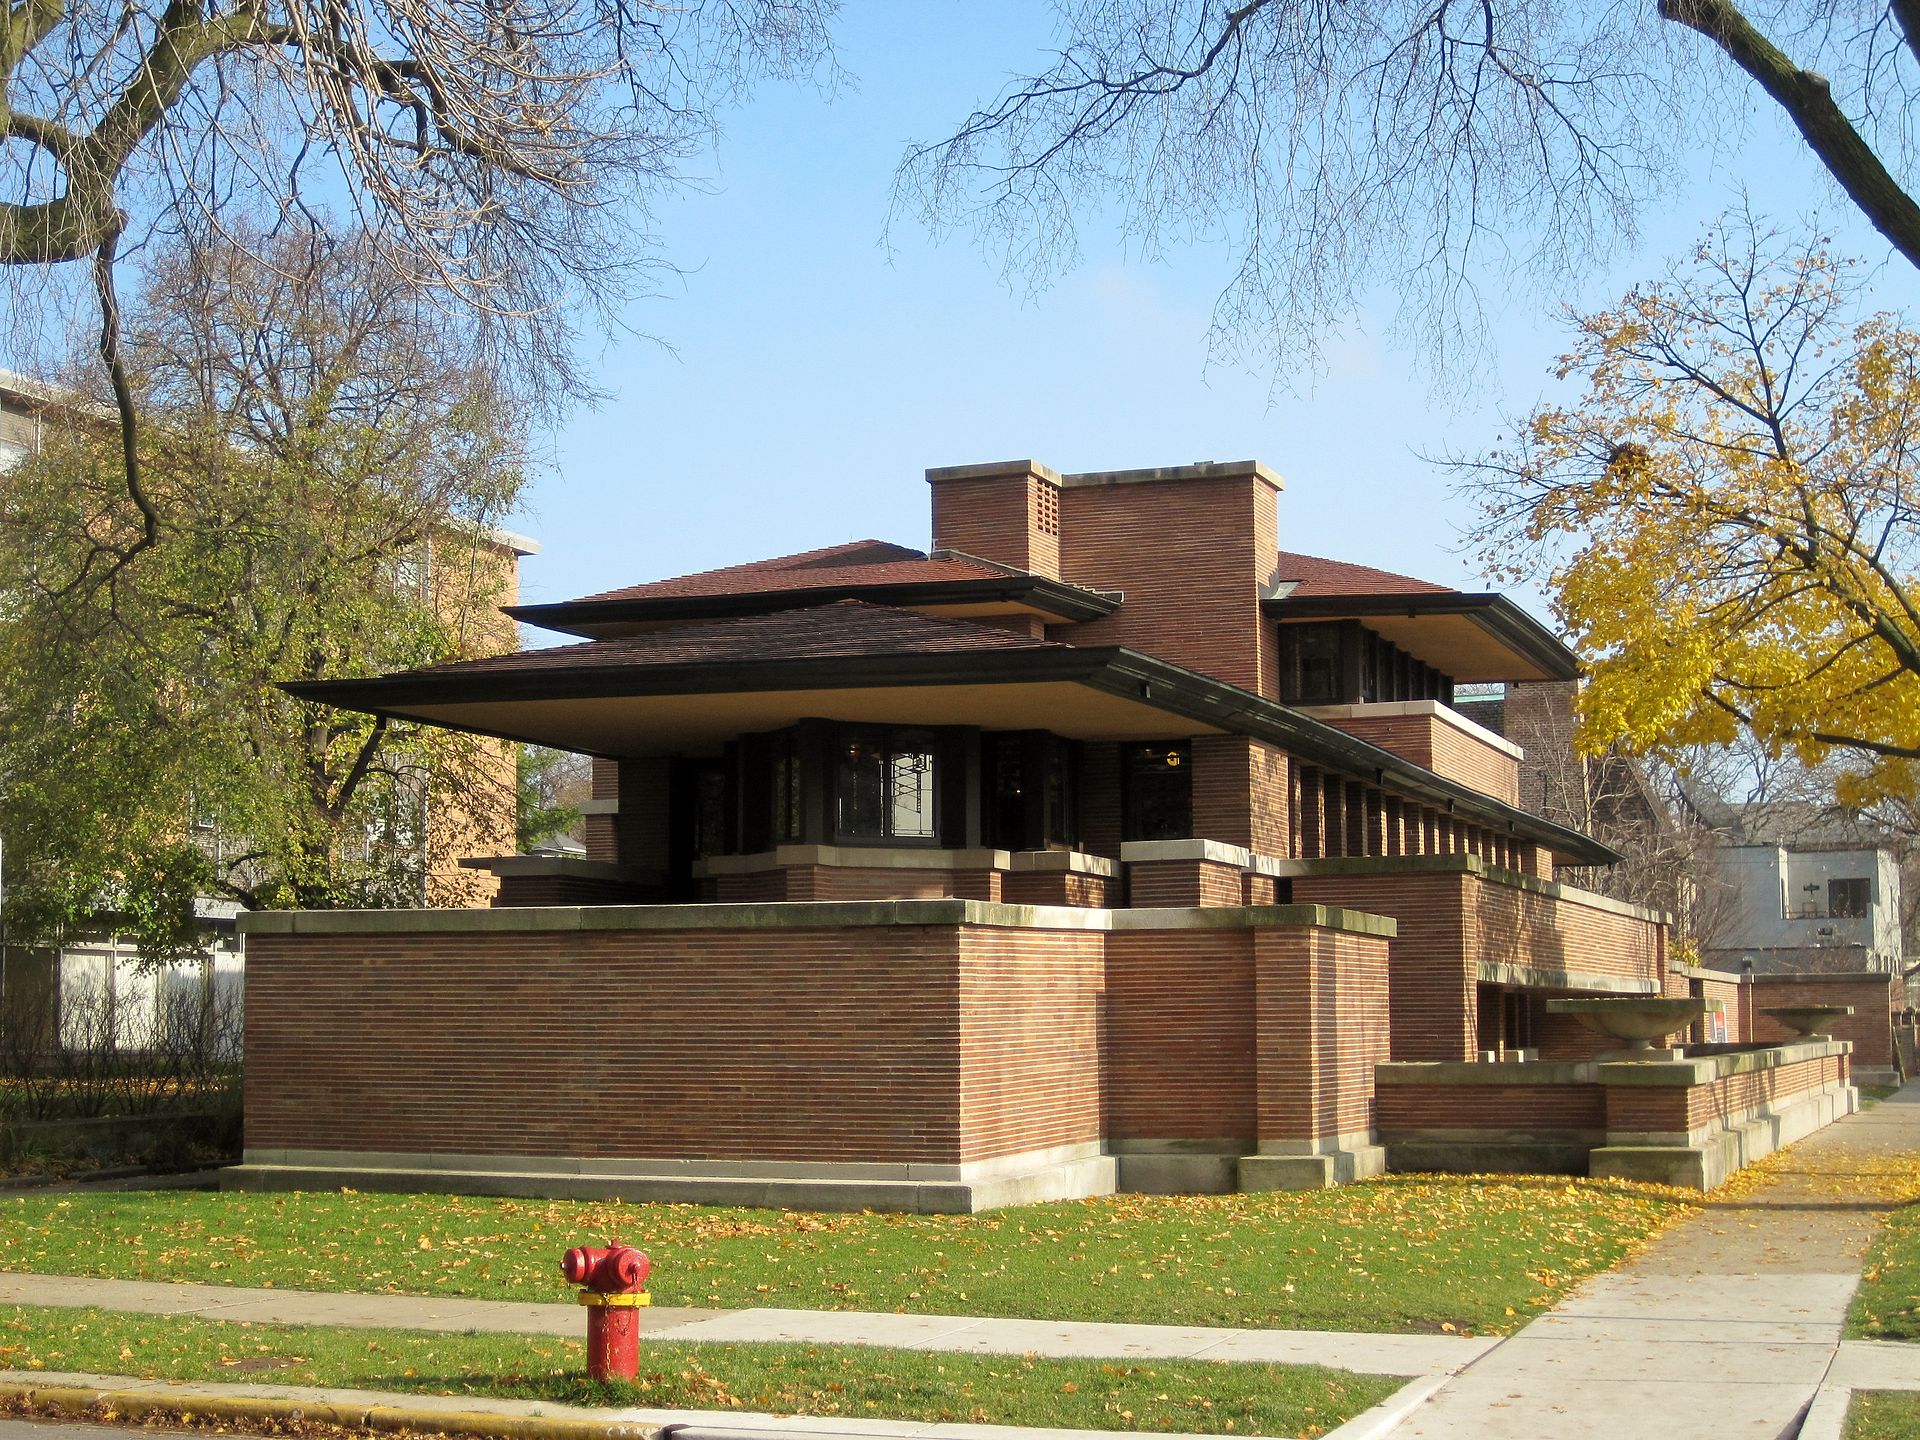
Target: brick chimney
x,y
1008,512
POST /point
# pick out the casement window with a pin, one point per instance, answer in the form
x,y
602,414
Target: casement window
x,y
886,786
1156,791
1031,790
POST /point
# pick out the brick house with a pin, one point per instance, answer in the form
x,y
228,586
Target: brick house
x,y
1104,844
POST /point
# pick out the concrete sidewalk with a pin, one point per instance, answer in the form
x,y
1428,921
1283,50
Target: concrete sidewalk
x,y
1405,1355
1726,1326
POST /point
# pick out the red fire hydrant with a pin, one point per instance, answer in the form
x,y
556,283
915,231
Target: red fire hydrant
x,y
612,1281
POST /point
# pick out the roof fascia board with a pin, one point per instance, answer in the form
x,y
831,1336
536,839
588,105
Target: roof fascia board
x,y
1113,669
1493,613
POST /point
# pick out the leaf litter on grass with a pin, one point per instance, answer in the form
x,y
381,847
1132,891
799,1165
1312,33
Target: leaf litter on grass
x,y
1406,1252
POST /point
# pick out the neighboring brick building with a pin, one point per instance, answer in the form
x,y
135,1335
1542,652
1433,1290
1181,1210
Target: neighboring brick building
x,y
1105,843
107,995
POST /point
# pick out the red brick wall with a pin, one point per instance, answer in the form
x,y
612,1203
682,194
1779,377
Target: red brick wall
x,y
1187,553
1184,882
1406,1110
1180,1035
1445,749
1321,1010
1512,926
998,517
1030,1040
1643,1109
1870,1027
690,1044
1058,887
1431,964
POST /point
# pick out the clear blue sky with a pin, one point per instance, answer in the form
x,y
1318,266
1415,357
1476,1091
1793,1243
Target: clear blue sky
x,y
813,376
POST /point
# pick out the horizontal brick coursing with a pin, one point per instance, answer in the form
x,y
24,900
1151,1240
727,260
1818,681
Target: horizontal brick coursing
x,y
1445,749
1180,1035
1187,554
1406,1110
1030,1040
1521,927
1153,883
932,1044
1645,1109
1432,970
1058,887
701,1045
1321,1008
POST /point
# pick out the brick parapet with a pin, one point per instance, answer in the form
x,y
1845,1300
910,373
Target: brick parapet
x,y
936,1032
1434,736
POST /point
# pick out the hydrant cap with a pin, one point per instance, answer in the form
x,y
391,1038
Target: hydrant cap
x,y
610,1270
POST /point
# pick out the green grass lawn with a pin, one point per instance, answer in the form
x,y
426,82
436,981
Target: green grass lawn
x,y
1883,1415
1184,1396
1887,1304
1413,1253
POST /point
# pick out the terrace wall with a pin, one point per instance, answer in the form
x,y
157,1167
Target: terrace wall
x,y
892,1043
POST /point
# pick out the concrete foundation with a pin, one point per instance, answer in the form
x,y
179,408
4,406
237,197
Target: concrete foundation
x,y
921,1189
1704,1160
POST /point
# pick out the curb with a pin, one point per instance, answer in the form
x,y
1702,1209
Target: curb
x,y
91,1402
108,1398
1826,1417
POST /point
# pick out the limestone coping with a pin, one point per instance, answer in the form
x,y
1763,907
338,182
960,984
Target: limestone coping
x,y
1432,709
575,866
812,915
1212,852
1486,1072
1548,977
1705,1069
904,857
1475,865
1693,1071
1200,470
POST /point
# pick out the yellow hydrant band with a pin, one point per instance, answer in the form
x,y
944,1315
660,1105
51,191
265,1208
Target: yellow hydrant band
x,y
594,1297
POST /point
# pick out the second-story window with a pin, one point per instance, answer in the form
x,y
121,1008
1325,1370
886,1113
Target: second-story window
x,y
885,786
1849,899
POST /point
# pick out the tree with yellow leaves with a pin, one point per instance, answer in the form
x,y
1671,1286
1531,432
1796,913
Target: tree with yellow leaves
x,y
1729,517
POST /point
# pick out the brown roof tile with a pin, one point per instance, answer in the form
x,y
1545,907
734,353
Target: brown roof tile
x,y
843,630
1314,575
861,562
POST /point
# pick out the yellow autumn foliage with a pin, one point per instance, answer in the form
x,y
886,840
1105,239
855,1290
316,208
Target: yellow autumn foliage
x,y
1727,516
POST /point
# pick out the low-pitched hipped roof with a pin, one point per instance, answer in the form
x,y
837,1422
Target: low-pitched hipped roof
x,y
873,570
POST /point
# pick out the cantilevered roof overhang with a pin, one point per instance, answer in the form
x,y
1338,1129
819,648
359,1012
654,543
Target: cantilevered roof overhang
x,y
651,695
1472,637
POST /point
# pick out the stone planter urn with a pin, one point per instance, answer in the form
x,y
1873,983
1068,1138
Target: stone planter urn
x,y
1813,1021
1639,1020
